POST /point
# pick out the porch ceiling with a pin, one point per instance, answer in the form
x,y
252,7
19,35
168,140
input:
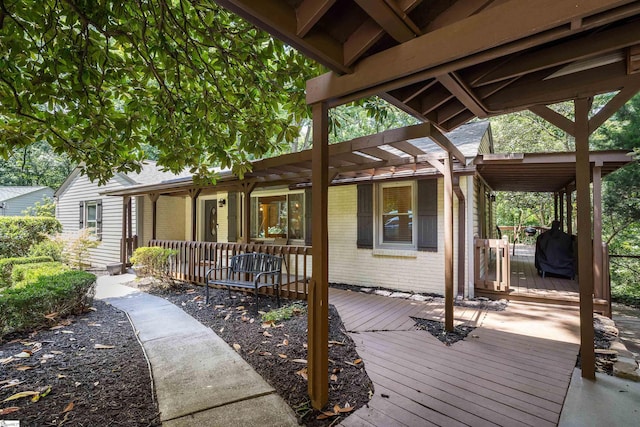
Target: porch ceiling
x,y
448,61
541,172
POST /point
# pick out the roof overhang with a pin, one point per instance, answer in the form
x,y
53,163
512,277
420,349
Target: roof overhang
x,y
542,172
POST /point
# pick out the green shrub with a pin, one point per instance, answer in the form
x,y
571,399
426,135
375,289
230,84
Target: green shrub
x,y
25,274
51,247
19,233
77,245
152,261
26,308
6,267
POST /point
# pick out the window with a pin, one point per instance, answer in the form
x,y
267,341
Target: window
x,y
278,216
91,217
395,214
405,215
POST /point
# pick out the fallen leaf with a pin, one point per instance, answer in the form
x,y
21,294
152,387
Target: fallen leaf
x,y
336,370
303,373
103,346
357,361
244,318
6,360
57,352
237,347
218,306
66,331
77,384
227,317
265,353
347,408
300,361
93,309
60,376
222,329
23,354
336,342
282,356
11,383
304,345
23,368
285,342
198,298
9,410
96,384
267,334
240,308
251,352
269,324
93,324
334,377
190,291
252,320
21,395
324,415
336,409
51,316
68,408
47,356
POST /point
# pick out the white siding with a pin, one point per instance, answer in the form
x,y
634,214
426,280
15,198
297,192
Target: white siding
x,y
67,212
16,205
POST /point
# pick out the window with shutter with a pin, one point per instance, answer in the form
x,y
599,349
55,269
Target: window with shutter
x,y
99,219
428,215
395,215
232,206
365,216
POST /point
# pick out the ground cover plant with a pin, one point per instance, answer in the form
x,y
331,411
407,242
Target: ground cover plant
x,y
275,344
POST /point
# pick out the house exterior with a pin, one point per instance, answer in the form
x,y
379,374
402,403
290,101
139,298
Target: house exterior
x,y
14,200
80,204
385,230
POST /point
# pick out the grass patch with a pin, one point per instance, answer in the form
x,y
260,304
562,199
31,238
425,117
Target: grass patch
x,y
284,313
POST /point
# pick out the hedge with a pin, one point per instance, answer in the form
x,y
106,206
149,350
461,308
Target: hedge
x,y
6,267
152,260
24,274
19,233
22,309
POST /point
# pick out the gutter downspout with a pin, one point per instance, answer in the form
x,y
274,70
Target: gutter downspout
x,y
461,234
470,237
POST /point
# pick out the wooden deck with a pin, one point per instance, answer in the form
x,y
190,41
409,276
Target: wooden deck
x,y
513,370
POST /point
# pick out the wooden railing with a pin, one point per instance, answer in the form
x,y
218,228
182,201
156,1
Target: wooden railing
x,y
130,245
492,265
605,286
193,259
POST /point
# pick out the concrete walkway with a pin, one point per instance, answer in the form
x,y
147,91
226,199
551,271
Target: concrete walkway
x,y
199,380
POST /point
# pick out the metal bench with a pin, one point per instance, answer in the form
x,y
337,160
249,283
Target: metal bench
x,y
254,266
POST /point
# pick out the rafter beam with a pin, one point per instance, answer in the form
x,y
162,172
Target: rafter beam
x,y
279,19
384,16
309,12
454,85
368,34
446,144
463,39
556,119
563,53
613,105
456,12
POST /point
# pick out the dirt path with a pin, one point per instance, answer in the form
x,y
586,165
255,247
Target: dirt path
x,y
628,323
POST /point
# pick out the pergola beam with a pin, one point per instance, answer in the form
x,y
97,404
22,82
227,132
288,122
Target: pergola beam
x,y
387,19
465,39
309,12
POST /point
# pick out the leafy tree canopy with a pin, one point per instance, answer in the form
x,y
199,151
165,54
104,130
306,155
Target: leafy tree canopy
x,y
102,80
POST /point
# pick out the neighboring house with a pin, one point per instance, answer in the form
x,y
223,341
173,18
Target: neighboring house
x,y
80,204
14,200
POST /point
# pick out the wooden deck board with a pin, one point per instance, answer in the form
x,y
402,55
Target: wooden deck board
x,y
500,375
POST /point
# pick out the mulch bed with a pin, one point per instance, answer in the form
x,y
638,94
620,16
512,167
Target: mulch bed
x,y
89,369
436,328
278,350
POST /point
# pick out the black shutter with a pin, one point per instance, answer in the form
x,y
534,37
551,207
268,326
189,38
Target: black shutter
x,y
307,216
81,224
365,216
99,219
232,209
428,215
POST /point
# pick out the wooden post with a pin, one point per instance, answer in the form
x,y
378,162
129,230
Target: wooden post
x,y
462,223
154,214
194,193
555,206
569,214
247,188
597,231
585,248
123,240
318,322
448,243
561,205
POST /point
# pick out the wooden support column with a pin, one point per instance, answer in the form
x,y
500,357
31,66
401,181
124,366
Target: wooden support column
x,y
585,248
462,223
561,206
247,188
123,239
318,311
597,232
154,214
194,193
555,206
448,243
569,214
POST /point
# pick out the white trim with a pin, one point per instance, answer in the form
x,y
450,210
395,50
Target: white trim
x,y
377,220
470,234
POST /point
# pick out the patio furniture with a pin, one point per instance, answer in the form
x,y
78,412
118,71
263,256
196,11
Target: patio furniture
x,y
250,271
